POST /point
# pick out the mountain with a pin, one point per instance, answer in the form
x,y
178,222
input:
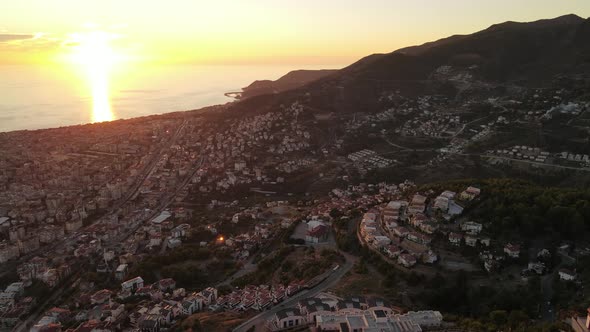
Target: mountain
x,y
291,80
505,55
529,54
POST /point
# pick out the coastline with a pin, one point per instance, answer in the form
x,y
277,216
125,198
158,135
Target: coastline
x,y
236,95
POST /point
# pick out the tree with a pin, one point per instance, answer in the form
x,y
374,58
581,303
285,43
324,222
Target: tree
x,y
517,317
499,317
335,213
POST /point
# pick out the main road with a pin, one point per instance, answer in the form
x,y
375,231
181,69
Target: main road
x,y
259,321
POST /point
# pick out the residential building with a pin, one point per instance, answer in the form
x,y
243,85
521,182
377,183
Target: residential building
x,y
567,275
512,250
287,318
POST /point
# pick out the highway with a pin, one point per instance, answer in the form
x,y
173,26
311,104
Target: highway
x,y
259,321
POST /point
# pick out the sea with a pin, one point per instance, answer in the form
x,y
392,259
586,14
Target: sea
x,y
46,96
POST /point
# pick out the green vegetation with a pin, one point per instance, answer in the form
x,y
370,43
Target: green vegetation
x,y
208,321
38,290
345,233
9,276
512,208
459,296
265,269
289,264
501,320
570,294
190,265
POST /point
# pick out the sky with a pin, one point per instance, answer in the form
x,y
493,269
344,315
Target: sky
x,y
251,31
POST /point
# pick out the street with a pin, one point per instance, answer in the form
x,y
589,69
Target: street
x,y
260,320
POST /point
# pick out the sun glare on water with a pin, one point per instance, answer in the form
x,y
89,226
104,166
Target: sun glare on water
x,y
94,53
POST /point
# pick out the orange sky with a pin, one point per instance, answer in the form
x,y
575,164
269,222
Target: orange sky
x,y
254,31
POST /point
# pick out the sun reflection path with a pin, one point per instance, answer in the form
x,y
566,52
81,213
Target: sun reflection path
x,y
95,55
101,104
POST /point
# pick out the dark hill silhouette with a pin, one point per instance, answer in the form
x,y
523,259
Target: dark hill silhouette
x,y
529,54
291,80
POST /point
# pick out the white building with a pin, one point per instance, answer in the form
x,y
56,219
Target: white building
x,y
567,275
471,227
132,284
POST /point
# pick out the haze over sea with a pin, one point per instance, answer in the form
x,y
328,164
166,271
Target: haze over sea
x,y
36,97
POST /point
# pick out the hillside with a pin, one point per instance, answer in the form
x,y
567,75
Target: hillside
x,y
510,85
291,80
526,54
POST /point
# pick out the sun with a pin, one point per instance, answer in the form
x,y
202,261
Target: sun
x,y
92,51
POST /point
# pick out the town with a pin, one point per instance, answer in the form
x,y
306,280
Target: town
x,y
141,224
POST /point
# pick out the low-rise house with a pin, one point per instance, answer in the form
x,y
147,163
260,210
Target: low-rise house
x,y
121,271
150,323
381,241
426,318
392,251
209,295
317,234
443,200
567,275
316,309
167,285
350,306
538,268
180,231
406,260
470,193
470,241
471,227
189,306
378,304
101,297
429,257
288,318
155,240
132,284
419,237
417,205
512,250
17,288
455,238
428,227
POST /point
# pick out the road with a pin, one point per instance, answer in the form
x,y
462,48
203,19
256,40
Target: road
x,y
259,321
468,124
147,171
536,163
248,267
168,199
132,193
547,312
34,316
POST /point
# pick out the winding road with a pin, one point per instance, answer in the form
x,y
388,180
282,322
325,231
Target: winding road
x,y
259,321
